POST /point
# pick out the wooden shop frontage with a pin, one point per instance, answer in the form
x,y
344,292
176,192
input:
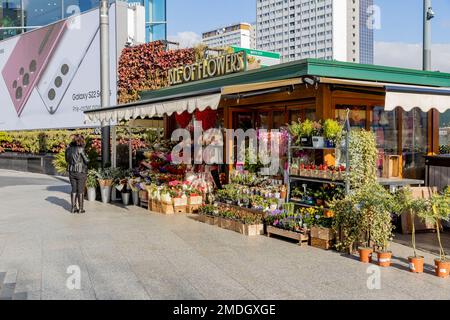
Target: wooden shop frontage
x,y
401,106
352,140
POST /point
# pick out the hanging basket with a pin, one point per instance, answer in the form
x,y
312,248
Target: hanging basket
x,y
183,119
207,117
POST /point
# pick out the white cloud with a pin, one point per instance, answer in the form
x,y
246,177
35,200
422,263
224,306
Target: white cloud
x,y
186,39
407,55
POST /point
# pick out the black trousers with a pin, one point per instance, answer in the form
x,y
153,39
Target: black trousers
x,y
78,181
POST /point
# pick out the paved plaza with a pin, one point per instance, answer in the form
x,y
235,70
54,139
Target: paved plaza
x,y
129,253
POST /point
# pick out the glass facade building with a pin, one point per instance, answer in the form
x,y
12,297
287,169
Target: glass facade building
x,y
17,16
366,38
155,19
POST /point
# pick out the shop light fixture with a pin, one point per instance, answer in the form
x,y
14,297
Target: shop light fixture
x,y
311,80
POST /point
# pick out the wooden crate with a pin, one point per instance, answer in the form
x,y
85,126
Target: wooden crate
x,y
195,200
167,208
156,206
321,243
144,204
193,208
323,233
392,166
406,219
227,224
214,221
143,195
180,202
249,230
300,237
180,209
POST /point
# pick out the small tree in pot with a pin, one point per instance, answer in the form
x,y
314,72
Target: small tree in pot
x,y
92,184
407,204
439,210
376,205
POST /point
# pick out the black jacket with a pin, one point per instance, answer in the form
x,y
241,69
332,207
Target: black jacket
x,y
76,159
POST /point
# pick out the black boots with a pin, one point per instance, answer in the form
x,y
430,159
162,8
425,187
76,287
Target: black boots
x,y
77,200
81,203
73,200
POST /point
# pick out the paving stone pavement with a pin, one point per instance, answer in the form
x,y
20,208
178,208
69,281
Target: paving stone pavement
x,y
129,253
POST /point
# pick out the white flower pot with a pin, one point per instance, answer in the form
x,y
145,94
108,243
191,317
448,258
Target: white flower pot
x,y
92,194
126,198
106,194
135,195
318,142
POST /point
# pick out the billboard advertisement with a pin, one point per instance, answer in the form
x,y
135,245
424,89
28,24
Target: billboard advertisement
x,y
50,75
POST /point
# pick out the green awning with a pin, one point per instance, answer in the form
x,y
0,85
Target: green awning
x,y
315,67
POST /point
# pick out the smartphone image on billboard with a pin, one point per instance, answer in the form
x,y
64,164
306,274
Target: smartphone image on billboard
x,y
28,60
66,61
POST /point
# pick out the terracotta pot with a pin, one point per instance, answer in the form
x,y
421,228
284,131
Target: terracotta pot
x,y
365,255
416,264
442,268
384,259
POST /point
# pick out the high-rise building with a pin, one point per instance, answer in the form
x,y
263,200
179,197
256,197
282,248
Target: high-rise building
x,y
240,35
325,29
17,16
155,19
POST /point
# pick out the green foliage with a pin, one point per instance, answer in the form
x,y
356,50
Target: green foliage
x,y
332,130
405,203
5,137
91,181
363,158
364,217
303,129
439,209
59,162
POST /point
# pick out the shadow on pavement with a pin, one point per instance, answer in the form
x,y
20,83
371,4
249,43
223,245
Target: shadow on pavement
x,y
62,188
59,202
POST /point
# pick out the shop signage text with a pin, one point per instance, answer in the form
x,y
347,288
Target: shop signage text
x,y
208,68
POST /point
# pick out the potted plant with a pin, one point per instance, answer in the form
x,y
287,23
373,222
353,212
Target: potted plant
x,y
332,132
92,184
306,133
125,191
407,204
134,186
318,140
440,210
376,205
105,179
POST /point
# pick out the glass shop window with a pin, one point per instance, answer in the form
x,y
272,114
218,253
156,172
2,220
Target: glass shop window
x,y
384,126
357,115
444,133
415,143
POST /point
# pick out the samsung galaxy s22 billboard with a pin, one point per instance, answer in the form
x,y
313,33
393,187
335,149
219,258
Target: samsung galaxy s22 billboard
x,y
50,75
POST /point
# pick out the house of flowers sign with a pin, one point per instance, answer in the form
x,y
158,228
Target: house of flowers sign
x,y
208,68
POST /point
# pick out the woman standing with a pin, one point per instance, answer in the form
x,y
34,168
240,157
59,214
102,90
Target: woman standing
x,y
77,162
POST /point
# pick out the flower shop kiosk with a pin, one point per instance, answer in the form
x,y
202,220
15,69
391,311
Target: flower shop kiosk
x,y
401,106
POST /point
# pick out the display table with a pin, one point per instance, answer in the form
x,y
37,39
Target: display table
x,y
395,183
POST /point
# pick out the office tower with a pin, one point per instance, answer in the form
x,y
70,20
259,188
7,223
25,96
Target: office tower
x,y
325,29
240,34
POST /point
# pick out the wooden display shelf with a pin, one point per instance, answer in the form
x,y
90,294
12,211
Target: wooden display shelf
x,y
317,180
300,237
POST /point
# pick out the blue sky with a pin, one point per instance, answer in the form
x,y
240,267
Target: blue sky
x,y
397,43
401,20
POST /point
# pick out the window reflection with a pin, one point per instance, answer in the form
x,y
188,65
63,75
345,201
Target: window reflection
x,y
415,143
384,126
357,115
10,16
